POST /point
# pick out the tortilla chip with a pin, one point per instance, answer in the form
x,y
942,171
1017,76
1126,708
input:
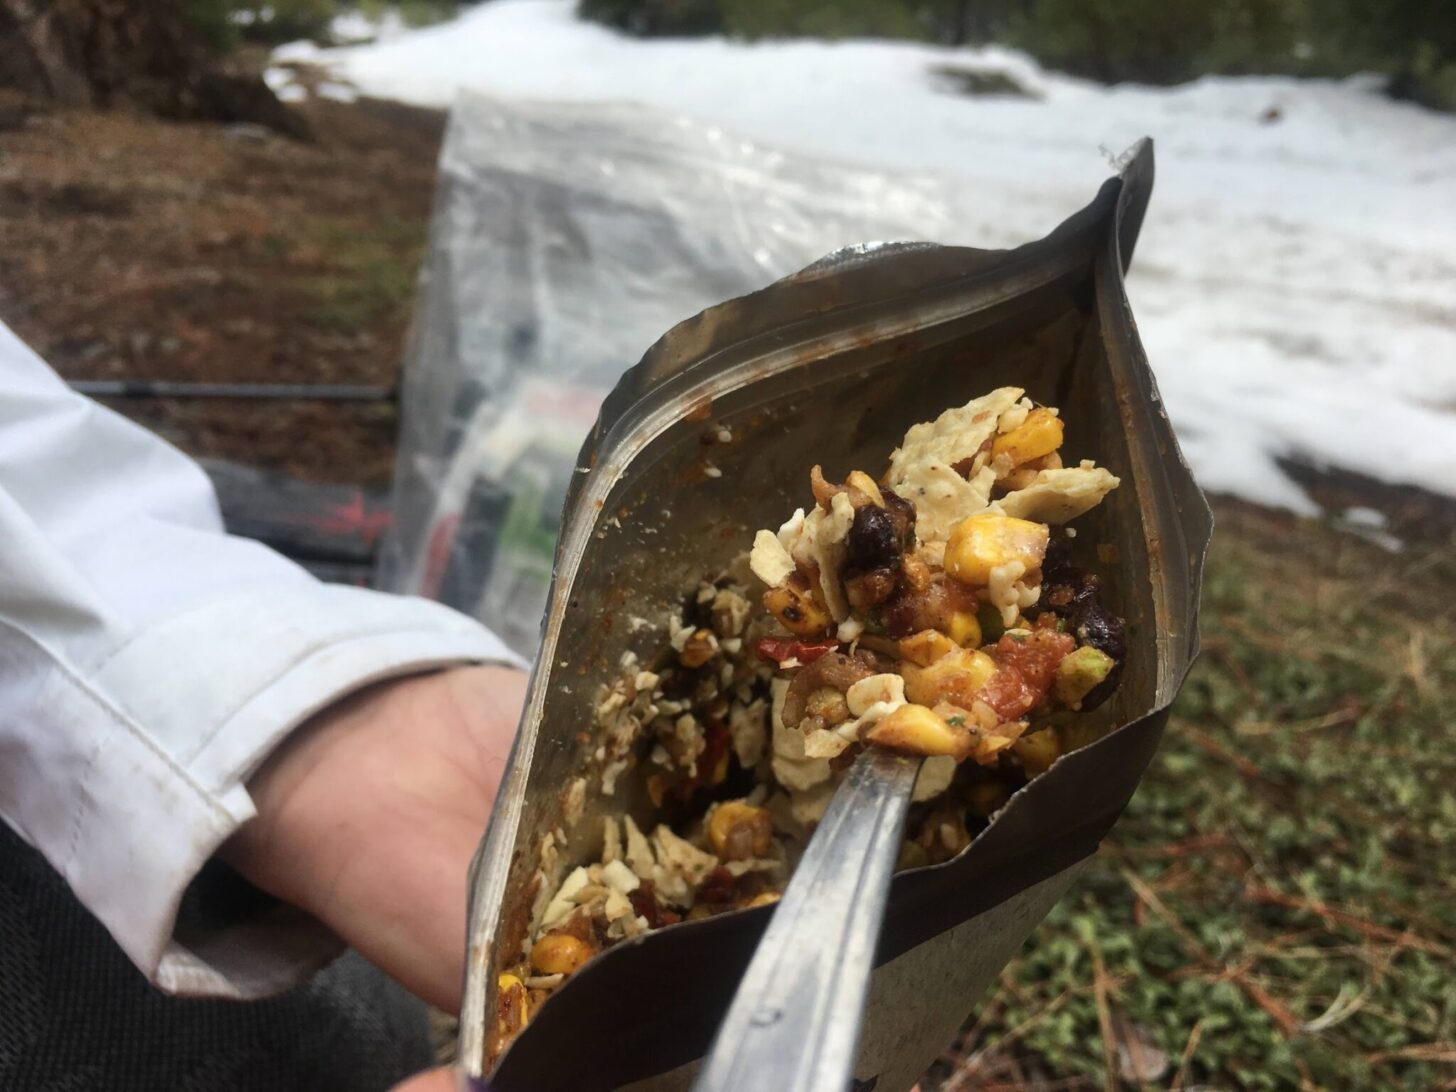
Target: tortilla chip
x,y
769,560
921,467
1056,496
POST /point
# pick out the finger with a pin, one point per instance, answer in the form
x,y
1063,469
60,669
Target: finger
x,y
433,1080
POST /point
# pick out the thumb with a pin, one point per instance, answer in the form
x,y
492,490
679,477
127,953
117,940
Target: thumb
x,y
432,1080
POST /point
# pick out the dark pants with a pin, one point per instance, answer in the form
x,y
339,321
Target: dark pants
x,y
76,1016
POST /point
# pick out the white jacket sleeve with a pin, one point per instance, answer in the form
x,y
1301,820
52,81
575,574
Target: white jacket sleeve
x,y
149,662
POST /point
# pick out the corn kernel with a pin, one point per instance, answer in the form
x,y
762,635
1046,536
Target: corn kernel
x,y
915,729
699,648
1038,751
740,831
1040,434
511,1012
1020,478
828,705
927,646
858,479
957,677
953,837
915,574
560,953
986,541
800,614
964,629
764,898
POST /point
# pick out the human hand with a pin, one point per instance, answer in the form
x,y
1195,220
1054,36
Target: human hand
x,y
369,814
432,1080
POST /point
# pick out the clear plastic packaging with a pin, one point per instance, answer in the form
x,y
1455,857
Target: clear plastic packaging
x,y
566,239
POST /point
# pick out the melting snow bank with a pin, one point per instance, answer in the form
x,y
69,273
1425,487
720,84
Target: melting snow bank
x,y
1296,280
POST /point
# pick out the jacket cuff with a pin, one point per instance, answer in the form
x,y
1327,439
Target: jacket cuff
x,y
156,796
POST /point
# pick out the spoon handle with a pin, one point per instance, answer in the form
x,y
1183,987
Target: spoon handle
x,y
794,1022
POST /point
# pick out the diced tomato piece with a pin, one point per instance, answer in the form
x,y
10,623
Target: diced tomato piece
x,y
1024,669
1008,694
1035,656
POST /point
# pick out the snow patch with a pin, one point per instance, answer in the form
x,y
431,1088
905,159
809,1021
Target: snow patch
x,y
1295,280
338,92
355,26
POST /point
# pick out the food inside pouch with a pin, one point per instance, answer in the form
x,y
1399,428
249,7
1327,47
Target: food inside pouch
x,y
935,609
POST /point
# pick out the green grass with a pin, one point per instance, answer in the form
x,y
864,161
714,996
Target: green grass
x,y
1277,908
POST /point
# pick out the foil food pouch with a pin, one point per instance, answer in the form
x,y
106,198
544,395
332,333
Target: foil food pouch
x,y
830,366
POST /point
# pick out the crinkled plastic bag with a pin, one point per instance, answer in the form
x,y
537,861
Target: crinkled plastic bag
x,y
566,238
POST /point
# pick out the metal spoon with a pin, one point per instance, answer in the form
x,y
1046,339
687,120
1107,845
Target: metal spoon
x,y
794,1022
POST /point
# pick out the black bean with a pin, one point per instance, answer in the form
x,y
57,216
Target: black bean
x,y
1094,625
867,589
1066,586
902,511
898,614
1073,597
1072,593
874,540
1057,567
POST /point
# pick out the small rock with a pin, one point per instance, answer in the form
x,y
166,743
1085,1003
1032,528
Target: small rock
x,y
1139,1058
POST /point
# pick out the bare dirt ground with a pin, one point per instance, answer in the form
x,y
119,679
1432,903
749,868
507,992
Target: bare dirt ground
x,y
132,248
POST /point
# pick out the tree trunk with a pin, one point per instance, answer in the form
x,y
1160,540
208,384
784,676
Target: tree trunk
x,y
141,54
960,22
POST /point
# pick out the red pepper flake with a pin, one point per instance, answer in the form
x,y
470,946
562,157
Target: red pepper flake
x,y
718,888
711,763
778,650
645,905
